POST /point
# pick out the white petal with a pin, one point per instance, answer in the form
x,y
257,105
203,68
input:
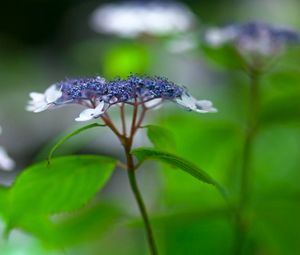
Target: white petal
x,y
37,96
86,115
99,109
154,103
38,106
189,102
37,102
52,94
90,114
6,163
205,106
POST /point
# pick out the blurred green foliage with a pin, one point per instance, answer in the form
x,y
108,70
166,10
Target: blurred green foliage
x,y
126,58
187,217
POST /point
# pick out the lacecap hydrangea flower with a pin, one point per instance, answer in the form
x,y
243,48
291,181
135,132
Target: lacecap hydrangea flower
x,y
6,163
134,18
98,95
253,38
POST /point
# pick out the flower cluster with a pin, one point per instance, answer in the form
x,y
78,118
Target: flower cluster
x,y
253,39
6,163
98,95
133,18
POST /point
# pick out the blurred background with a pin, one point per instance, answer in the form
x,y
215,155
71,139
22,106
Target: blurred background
x,y
43,41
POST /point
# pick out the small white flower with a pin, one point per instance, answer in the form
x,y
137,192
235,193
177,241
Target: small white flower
x,y
192,104
6,163
90,114
40,102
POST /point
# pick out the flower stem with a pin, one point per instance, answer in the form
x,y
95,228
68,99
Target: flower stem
x,y
141,205
254,104
127,142
251,128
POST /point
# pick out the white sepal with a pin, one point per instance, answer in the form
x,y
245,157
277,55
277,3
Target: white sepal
x,y
90,114
154,103
40,102
192,104
52,94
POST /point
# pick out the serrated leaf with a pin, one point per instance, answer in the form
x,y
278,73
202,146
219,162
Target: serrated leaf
x,y
65,185
67,137
144,154
161,137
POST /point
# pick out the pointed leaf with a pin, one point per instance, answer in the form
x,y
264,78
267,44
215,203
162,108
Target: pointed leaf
x,y
144,154
88,224
73,228
65,185
67,137
161,137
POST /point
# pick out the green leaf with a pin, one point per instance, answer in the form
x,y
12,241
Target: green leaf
x,y
67,137
73,228
89,224
144,154
65,185
4,192
161,137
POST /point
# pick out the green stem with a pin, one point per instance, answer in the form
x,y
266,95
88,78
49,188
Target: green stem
x,y
127,145
142,207
253,111
254,104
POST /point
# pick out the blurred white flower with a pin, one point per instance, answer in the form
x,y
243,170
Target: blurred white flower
x,y
6,163
42,101
131,19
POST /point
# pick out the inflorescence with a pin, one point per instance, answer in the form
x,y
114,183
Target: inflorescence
x,y
98,95
253,38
